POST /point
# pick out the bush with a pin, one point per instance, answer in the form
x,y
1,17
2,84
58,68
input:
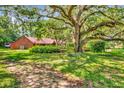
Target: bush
x,y
97,46
45,49
70,47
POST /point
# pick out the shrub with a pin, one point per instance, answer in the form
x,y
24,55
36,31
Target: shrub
x,y
45,49
70,47
97,46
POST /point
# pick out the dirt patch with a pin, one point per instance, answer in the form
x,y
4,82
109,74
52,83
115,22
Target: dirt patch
x,y
42,75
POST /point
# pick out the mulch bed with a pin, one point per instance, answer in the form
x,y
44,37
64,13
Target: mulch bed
x,y
42,76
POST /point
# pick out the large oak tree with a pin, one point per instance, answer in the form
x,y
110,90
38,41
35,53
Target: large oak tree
x,y
88,22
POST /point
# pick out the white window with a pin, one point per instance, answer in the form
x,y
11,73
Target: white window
x,y
22,47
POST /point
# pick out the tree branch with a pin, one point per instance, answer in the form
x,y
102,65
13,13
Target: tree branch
x,y
64,14
60,9
69,16
71,9
118,33
106,15
81,10
110,17
107,23
84,19
57,18
107,39
62,28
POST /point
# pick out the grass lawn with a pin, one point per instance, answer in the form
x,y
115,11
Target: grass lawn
x,y
6,80
99,69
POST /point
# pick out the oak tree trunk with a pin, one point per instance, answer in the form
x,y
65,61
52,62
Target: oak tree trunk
x,y
77,38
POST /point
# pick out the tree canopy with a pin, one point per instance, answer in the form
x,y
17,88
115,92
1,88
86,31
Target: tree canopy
x,y
76,23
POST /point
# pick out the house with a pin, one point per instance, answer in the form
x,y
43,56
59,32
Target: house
x,y
26,42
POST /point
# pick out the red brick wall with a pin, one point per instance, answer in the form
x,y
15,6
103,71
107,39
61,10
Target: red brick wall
x,y
23,41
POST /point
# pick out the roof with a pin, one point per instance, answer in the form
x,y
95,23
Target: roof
x,y
46,41
33,40
41,41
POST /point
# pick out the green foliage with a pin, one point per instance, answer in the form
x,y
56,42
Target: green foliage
x,y
6,79
52,29
97,46
70,47
45,49
7,30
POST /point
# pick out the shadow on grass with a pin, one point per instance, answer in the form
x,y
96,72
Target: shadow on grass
x,y
8,80
17,57
94,71
34,57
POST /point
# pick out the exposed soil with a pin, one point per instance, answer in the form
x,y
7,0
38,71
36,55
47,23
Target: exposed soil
x,y
42,76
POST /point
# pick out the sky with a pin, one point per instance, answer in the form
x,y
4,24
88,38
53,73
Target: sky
x,y
38,6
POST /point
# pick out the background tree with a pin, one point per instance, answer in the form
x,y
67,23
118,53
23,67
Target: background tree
x,y
8,31
52,29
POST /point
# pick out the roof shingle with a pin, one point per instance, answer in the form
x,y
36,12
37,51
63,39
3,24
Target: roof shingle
x,y
41,41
